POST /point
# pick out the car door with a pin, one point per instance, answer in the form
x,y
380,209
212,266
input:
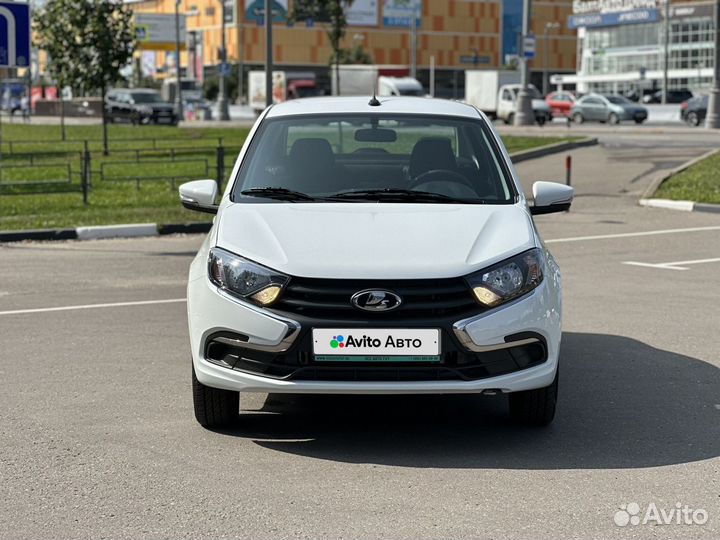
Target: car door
x,y
506,104
594,109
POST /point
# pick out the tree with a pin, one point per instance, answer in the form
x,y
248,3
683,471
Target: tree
x,y
356,55
331,12
88,42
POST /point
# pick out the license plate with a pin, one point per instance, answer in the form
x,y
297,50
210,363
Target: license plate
x,y
376,344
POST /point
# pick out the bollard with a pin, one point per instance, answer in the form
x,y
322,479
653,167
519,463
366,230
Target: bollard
x,y
220,163
568,170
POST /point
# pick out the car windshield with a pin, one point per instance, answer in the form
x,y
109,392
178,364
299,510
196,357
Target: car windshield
x,y
379,157
618,100
146,97
534,92
411,92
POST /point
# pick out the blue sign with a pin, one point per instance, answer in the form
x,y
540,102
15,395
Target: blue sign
x,y
592,20
529,46
14,34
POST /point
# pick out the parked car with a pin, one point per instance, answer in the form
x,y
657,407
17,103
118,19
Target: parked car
x,y
607,108
139,106
674,96
560,103
694,110
371,246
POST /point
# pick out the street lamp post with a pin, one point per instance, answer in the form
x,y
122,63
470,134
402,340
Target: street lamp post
x,y
178,93
268,54
524,112
223,111
548,26
666,53
413,39
713,113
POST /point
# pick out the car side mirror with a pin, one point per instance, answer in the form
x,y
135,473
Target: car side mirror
x,y
199,195
551,197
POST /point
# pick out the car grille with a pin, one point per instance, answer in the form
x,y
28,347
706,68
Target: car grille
x,y
330,298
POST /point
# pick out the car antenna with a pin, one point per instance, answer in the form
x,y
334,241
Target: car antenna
x,y
374,100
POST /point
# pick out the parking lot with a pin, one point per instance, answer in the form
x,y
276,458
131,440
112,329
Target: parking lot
x,y
99,437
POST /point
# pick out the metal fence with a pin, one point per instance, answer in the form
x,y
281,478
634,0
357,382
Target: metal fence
x,y
35,173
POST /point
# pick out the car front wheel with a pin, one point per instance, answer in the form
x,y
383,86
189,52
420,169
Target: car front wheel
x,y
614,119
578,118
214,408
693,119
534,407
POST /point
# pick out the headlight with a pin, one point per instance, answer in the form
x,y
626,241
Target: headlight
x,y
508,279
244,278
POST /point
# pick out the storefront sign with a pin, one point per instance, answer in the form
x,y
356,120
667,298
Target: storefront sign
x,y
362,13
691,10
611,6
399,12
593,20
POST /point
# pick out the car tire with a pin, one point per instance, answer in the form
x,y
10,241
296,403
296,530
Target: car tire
x,y
534,408
613,119
214,408
578,118
693,119
540,120
510,119
639,121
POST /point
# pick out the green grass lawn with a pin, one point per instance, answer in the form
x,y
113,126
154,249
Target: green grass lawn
x,y
699,183
114,196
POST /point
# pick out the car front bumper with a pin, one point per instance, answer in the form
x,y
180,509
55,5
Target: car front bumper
x,y
486,341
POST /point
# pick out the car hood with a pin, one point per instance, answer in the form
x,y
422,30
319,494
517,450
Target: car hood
x,y
375,240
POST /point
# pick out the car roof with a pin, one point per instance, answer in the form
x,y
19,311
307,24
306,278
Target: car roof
x,y
360,104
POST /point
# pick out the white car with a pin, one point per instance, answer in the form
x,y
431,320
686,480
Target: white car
x,y
368,246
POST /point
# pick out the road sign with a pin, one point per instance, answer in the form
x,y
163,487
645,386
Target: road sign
x,y
14,34
529,46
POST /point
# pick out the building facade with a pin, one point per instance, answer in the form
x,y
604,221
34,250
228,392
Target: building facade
x,y
456,34
622,45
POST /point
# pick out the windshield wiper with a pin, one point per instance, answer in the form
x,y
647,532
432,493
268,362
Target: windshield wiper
x,y
400,194
281,194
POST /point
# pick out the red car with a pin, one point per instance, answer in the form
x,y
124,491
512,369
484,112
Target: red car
x,y
560,103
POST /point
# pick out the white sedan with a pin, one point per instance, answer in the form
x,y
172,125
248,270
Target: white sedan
x,y
368,246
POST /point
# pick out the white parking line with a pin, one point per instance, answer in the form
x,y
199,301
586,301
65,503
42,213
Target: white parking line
x,y
630,235
92,306
678,265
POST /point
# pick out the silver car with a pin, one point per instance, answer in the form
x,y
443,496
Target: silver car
x,y
612,109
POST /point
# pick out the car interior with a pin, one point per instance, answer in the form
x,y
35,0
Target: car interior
x,y
322,160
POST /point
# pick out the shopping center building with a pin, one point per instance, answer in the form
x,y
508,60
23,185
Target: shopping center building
x,y
455,34
622,45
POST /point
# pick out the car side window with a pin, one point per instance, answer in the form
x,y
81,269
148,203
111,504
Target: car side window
x,y
506,95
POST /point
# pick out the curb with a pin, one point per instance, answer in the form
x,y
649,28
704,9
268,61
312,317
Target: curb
x,y
657,182
115,231
550,149
685,206
105,231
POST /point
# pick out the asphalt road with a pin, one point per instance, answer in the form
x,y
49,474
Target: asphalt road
x,y
98,437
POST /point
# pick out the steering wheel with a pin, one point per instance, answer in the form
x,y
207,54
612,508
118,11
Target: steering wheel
x,y
440,175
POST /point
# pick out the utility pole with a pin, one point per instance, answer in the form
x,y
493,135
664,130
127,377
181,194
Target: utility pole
x,y
548,26
268,54
413,39
666,56
713,113
524,111
178,93
223,111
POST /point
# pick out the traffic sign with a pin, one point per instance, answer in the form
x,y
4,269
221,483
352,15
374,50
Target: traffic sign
x,y
14,34
529,46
